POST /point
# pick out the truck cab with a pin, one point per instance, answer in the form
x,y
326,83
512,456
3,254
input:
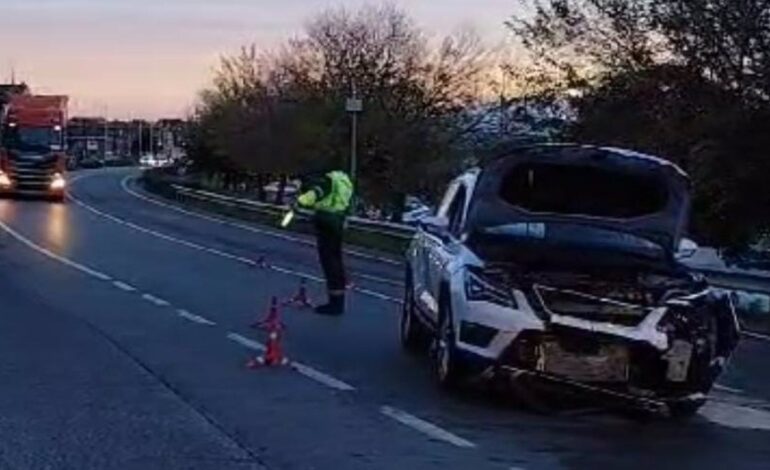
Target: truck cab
x,y
32,151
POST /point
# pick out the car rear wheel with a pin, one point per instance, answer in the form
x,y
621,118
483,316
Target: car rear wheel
x,y
447,365
412,332
685,409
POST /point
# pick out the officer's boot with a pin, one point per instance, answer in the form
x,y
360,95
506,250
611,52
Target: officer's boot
x,y
335,307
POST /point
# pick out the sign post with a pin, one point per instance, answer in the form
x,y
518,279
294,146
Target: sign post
x,y
354,105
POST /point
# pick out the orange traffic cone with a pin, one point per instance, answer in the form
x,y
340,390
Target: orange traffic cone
x,y
273,356
271,317
301,299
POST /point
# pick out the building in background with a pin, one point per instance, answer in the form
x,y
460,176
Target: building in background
x,y
87,141
171,138
9,89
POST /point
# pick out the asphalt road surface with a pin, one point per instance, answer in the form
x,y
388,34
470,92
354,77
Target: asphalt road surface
x,y
124,330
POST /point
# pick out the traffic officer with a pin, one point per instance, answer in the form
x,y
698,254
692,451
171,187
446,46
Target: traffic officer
x,y
330,198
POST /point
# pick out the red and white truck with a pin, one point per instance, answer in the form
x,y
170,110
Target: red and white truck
x,y
33,157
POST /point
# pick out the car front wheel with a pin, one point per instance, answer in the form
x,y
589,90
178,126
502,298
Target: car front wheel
x,y
412,332
447,365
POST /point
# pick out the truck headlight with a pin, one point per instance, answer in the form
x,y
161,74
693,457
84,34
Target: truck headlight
x,y
479,289
5,181
58,182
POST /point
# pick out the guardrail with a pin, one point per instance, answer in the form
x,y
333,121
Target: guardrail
x,y
400,231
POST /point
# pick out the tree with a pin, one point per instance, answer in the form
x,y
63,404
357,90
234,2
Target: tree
x,y
684,79
283,111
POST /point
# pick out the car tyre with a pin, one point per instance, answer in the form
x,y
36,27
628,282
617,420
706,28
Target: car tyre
x,y
447,364
685,409
414,336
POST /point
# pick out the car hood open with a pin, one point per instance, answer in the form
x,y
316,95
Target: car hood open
x,y
665,225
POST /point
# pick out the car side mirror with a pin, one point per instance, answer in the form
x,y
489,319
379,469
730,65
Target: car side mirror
x,y
435,225
687,249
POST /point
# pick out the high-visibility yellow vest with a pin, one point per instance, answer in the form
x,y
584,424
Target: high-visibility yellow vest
x,y
336,201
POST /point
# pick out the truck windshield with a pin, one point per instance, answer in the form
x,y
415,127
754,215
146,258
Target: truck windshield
x,y
31,138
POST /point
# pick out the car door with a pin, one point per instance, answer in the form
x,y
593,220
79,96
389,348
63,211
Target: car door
x,y
423,256
441,250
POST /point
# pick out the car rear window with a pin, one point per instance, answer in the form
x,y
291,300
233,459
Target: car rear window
x,y
588,191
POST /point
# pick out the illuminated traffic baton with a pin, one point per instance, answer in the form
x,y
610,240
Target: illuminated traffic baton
x,y
287,218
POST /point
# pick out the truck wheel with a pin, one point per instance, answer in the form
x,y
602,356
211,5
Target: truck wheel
x,y
412,332
447,365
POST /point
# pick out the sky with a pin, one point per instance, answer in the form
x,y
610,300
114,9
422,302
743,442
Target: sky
x,y
150,58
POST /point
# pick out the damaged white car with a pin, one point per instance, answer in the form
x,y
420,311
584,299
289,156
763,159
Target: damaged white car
x,y
559,264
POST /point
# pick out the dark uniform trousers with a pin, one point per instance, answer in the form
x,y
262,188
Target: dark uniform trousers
x,y
329,231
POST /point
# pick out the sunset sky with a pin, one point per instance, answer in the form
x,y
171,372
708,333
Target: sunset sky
x,y
148,58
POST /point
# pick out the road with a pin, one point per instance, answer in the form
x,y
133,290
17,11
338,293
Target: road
x,y
124,330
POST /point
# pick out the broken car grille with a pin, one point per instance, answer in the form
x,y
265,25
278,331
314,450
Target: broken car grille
x,y
589,307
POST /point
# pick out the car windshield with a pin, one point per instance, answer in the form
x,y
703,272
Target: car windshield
x,y
30,138
580,190
563,242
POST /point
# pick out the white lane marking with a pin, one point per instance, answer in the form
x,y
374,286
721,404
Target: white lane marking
x,y
248,228
300,368
299,274
377,295
163,236
383,280
195,318
246,342
736,416
66,261
321,377
725,388
429,429
124,287
223,254
156,300
320,280
757,336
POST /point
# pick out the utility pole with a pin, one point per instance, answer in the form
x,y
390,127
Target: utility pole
x,y
141,140
354,105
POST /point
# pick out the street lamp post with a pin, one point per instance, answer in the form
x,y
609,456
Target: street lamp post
x,y
354,106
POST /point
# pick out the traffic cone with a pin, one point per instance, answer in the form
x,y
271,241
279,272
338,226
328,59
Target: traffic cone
x,y
273,356
272,316
301,299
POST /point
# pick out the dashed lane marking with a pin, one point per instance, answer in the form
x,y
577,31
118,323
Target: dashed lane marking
x,y
757,336
163,236
248,228
246,342
302,369
156,300
321,377
72,264
736,416
124,287
725,388
429,429
223,254
195,318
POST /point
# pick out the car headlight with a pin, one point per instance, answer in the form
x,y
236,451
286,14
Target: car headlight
x,y
5,181
479,289
58,182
